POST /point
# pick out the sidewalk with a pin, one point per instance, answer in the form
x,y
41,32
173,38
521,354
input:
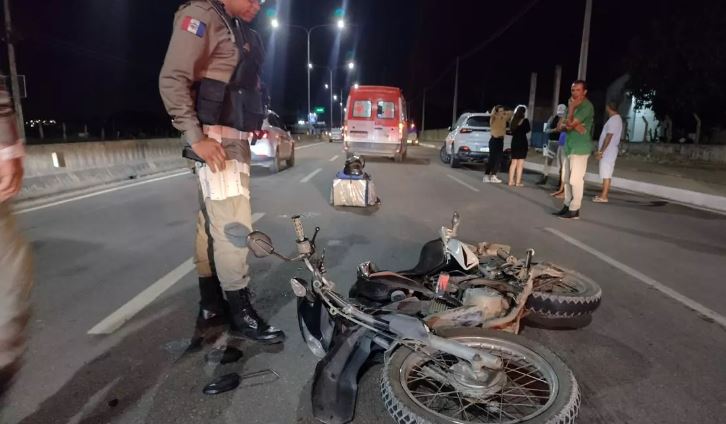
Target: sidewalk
x,y
698,184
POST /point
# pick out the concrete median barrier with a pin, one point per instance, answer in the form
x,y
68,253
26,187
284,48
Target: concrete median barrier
x,y
54,169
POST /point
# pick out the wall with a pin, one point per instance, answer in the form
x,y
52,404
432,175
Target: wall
x,y
82,165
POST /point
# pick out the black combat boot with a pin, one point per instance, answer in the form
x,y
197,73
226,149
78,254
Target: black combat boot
x,y
246,323
563,211
213,309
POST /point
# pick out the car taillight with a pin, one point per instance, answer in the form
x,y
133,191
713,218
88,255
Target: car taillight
x,y
465,130
464,148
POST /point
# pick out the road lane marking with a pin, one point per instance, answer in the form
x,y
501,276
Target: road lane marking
x,y
334,158
98,193
114,321
688,302
310,176
470,187
124,314
429,146
309,145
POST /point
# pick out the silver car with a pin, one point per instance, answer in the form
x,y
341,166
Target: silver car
x,y
274,146
468,141
336,134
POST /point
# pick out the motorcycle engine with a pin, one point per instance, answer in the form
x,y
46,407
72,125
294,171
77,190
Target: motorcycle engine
x,y
490,301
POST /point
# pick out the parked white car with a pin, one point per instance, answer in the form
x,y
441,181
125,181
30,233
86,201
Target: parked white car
x,y
468,141
274,146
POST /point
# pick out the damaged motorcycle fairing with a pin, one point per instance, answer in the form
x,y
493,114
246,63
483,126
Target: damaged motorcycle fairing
x,y
335,384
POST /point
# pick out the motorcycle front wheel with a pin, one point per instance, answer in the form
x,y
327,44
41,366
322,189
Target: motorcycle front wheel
x,y
536,388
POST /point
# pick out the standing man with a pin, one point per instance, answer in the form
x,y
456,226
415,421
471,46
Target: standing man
x,y
578,147
552,152
607,150
15,273
210,84
498,127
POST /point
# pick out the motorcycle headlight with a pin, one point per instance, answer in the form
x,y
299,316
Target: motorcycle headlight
x,y
298,287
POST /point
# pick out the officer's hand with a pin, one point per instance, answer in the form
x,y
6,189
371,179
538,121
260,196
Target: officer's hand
x,y
11,178
212,152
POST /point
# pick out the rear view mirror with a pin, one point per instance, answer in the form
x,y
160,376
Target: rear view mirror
x,y
260,244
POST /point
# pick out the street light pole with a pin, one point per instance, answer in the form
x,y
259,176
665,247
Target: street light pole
x,y
309,31
585,46
14,72
456,93
423,113
331,99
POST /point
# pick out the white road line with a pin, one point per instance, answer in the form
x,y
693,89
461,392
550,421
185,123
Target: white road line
x,y
429,146
114,321
470,187
688,302
310,176
122,315
309,145
98,193
334,158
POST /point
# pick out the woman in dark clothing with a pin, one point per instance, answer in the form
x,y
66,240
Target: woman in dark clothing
x,y
520,127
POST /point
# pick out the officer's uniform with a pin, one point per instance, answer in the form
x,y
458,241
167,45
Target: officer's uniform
x,y
15,271
210,86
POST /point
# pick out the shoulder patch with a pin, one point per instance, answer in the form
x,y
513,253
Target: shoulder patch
x,y
193,25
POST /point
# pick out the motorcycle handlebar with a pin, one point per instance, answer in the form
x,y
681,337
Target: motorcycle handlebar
x,y
299,230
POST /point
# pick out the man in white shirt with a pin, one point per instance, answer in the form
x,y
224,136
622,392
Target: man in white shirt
x,y
607,150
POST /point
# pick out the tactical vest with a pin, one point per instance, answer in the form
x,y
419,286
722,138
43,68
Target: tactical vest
x,y
238,104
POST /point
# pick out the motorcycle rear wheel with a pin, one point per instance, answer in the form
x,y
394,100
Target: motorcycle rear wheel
x,y
571,296
539,388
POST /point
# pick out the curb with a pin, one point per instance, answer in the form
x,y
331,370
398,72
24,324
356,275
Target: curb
x,y
678,195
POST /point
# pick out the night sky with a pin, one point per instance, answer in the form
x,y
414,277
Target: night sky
x,y
88,59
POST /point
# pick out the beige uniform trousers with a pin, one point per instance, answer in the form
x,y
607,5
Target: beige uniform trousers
x,y
15,284
574,178
223,226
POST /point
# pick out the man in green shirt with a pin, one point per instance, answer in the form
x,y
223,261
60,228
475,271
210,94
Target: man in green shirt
x,y
577,148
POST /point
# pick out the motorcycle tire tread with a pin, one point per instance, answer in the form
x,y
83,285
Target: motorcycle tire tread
x,y
566,306
402,414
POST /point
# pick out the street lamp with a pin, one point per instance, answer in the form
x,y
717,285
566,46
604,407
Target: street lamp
x,y
340,24
349,66
356,86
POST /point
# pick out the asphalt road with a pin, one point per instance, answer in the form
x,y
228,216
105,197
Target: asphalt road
x,y
646,357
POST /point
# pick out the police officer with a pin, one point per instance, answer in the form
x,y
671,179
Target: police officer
x,y
210,85
15,275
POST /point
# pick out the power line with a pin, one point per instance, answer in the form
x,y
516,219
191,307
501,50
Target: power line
x,y
498,33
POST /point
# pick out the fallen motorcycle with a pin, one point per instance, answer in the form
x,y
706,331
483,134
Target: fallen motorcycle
x,y
454,375
460,284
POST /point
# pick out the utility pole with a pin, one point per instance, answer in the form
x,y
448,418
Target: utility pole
x,y
456,93
556,94
532,96
585,46
14,72
423,114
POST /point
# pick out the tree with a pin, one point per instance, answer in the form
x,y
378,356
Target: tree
x,y
678,65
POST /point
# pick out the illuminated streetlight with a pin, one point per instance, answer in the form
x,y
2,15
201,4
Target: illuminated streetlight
x,y
356,86
335,97
327,86
351,65
275,23
341,24
310,66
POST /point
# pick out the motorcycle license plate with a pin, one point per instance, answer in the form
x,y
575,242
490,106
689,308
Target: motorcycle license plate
x,y
484,150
